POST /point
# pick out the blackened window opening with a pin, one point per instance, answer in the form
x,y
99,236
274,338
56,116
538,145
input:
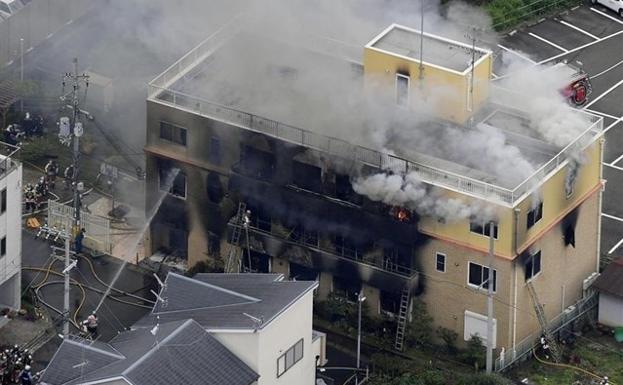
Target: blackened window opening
x,y
214,187
307,176
171,179
257,163
260,217
479,275
483,228
215,150
305,236
390,302
303,273
344,190
535,215
346,288
569,235
532,266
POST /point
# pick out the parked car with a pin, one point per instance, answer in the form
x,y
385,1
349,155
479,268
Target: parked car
x,y
9,7
615,5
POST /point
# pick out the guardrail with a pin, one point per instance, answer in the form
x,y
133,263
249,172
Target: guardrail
x,y
158,90
8,155
563,319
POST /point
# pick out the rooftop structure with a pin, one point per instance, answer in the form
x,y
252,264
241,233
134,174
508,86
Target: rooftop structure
x,y
439,51
265,91
221,301
10,229
173,353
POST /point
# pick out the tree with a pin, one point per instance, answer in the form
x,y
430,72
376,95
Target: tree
x,y
420,330
475,352
448,337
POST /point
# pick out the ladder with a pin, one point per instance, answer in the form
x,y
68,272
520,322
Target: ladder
x,y
232,264
540,313
402,318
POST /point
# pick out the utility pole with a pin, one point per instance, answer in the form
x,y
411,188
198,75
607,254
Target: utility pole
x,y
53,232
490,282
421,42
76,80
360,299
21,73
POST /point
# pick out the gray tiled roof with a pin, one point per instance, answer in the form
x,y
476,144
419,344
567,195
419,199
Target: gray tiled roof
x,y
180,352
266,296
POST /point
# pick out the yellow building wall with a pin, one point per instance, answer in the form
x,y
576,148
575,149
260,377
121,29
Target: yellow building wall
x,y
552,193
443,91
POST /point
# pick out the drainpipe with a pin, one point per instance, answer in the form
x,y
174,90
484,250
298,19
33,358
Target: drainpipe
x,y
516,213
601,193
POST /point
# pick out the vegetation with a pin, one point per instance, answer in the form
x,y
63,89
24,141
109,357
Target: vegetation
x,y
449,338
508,13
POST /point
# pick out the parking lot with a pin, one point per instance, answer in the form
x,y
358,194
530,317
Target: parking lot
x,y
593,36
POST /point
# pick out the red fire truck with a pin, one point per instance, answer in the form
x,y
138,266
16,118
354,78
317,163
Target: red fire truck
x,y
579,86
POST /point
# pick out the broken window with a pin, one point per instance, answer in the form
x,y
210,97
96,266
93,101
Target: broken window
x,y
344,190
390,302
535,215
569,235
214,187
402,90
171,179
479,275
302,273
532,266
307,176
257,163
260,217
483,228
346,289
215,150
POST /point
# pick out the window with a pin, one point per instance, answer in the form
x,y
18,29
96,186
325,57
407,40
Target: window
x,y
173,133
3,247
171,179
483,228
441,262
479,275
289,358
214,187
257,163
402,90
215,150
3,201
535,215
532,266
307,176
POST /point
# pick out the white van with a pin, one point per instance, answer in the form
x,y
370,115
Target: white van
x,y
9,7
615,5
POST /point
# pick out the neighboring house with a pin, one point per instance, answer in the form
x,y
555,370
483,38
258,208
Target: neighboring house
x,y
264,320
10,228
178,352
258,129
610,287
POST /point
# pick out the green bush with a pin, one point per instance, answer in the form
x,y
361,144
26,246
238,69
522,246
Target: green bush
x,y
508,13
420,329
474,353
448,337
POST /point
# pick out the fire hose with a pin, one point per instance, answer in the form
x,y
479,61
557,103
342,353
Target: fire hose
x,y
567,366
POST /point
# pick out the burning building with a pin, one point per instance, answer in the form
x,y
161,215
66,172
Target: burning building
x,y
382,175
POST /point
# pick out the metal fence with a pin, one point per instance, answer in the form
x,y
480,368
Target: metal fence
x,y
97,228
562,320
35,23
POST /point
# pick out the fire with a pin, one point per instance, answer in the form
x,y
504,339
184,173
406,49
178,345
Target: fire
x,y
402,214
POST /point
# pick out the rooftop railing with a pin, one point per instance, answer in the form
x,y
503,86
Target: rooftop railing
x,y
159,90
8,158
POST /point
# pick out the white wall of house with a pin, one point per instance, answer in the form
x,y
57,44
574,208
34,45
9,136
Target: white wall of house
x,y
261,350
610,310
10,227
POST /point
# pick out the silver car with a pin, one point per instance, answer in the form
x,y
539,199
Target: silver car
x,y
9,7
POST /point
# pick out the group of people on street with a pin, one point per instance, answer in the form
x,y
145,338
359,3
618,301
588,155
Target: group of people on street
x,y
36,195
29,126
15,366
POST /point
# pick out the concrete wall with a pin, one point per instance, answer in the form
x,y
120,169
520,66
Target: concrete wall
x,y
35,23
610,310
10,227
245,345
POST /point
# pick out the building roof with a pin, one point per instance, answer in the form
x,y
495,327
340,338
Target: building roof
x,y
179,352
611,280
438,51
226,301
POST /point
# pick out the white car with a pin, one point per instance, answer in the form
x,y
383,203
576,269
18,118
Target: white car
x,y
615,5
9,7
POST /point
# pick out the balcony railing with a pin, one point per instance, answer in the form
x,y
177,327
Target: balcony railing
x,y
344,253
8,158
160,91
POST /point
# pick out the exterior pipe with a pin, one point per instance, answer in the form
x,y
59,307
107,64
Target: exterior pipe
x,y
516,213
601,193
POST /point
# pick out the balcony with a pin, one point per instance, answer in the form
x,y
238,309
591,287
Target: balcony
x,y
372,266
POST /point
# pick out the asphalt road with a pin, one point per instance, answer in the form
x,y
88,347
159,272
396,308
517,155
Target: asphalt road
x,y
593,36
113,316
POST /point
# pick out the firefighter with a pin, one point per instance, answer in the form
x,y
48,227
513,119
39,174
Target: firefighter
x,y
41,192
68,174
545,346
91,324
29,197
51,171
604,381
78,241
26,376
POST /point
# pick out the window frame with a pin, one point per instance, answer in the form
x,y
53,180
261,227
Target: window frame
x,y
181,173
537,215
445,257
484,226
282,360
3,247
174,130
481,286
408,98
3,201
531,261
